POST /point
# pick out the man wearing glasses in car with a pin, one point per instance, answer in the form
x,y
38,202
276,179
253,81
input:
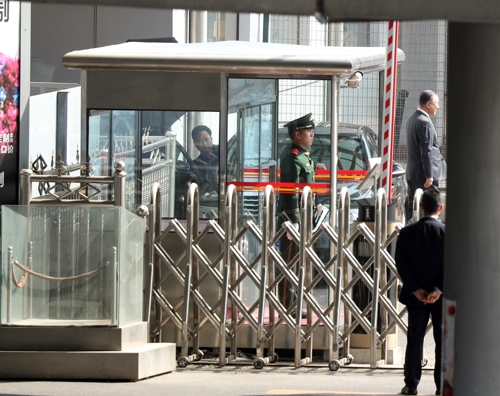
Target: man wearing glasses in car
x,y
206,165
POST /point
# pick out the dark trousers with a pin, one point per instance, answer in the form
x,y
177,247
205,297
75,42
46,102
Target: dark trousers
x,y
287,293
412,188
418,318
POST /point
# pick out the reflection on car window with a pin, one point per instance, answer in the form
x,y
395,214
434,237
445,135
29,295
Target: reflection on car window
x,y
350,153
371,141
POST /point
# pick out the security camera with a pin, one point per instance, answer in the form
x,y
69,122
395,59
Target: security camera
x,y
354,80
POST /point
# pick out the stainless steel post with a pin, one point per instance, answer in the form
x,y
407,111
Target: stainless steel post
x,y
143,211
26,186
185,315
192,216
298,319
222,327
10,261
380,234
115,297
155,229
417,212
120,184
306,219
171,198
230,223
341,267
333,190
269,230
382,212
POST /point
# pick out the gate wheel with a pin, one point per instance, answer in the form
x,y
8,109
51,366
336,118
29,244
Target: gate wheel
x,y
259,363
333,365
183,361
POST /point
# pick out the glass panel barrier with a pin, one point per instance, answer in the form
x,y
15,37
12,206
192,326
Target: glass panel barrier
x,y
130,268
59,267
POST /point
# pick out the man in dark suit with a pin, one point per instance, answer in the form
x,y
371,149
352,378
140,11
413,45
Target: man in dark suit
x,y
420,261
426,166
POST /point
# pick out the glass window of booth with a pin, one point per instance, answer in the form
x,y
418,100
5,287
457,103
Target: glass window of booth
x,y
172,148
251,147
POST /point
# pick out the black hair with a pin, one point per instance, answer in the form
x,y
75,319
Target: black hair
x,y
431,201
196,130
426,96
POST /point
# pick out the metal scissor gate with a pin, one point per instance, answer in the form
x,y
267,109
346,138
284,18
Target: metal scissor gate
x,y
266,315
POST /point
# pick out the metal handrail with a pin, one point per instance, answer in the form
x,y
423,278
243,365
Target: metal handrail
x,y
117,180
380,236
417,212
344,209
231,226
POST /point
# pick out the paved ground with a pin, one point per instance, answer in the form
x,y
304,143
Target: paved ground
x,y
244,380
236,380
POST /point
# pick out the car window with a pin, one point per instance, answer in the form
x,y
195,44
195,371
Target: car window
x,y
350,151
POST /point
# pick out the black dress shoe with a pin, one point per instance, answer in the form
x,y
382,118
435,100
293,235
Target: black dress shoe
x,y
438,392
409,391
303,315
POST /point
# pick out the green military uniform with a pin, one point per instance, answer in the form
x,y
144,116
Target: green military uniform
x,y
296,166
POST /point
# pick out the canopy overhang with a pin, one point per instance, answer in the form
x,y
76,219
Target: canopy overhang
x,y
237,57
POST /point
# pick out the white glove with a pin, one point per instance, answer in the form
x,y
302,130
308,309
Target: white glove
x,y
296,226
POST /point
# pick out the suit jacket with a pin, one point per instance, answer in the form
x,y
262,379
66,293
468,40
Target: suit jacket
x,y
424,157
420,257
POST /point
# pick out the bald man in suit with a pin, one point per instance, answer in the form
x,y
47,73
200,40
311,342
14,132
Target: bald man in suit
x,y
426,165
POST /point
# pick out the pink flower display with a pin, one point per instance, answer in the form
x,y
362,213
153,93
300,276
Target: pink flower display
x,y
9,102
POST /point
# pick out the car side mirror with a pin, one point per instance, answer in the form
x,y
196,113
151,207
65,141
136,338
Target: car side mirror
x,y
398,172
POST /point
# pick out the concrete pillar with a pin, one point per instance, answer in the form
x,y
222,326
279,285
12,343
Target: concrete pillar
x,y
197,34
472,252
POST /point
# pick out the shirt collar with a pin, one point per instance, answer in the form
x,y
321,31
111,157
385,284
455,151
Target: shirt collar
x,y
423,111
301,149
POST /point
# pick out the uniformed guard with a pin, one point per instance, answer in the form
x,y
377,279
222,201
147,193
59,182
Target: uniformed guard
x,y
296,166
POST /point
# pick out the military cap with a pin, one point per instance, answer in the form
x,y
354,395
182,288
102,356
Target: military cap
x,y
304,122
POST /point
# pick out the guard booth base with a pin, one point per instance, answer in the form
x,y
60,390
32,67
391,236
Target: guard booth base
x,y
71,296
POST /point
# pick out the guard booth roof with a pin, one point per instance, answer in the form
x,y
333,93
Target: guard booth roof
x,y
238,57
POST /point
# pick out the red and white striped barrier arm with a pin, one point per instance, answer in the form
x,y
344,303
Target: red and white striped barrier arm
x,y
390,78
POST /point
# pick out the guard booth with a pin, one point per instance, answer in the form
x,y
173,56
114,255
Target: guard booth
x,y
141,101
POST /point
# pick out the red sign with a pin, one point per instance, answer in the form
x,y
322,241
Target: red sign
x,y
9,101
